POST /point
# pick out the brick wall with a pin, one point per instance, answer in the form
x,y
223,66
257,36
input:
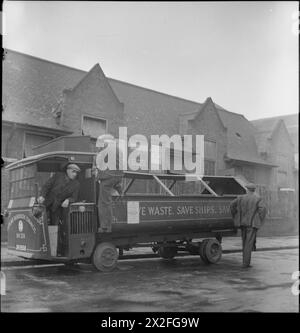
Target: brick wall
x,y
207,123
93,97
281,145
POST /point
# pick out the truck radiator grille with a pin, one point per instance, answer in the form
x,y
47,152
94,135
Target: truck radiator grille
x,y
82,223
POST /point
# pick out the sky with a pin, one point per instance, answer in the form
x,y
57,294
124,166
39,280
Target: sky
x,y
244,55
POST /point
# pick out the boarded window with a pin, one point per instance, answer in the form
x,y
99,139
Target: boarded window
x,y
93,126
210,150
210,156
282,179
282,161
33,140
249,173
209,167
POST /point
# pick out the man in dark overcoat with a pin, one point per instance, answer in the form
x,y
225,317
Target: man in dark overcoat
x,y
249,214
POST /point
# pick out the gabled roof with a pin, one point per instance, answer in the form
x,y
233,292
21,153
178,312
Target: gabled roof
x,y
201,109
33,87
267,126
97,71
241,138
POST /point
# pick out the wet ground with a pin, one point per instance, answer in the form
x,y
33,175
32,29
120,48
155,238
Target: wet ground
x,y
183,284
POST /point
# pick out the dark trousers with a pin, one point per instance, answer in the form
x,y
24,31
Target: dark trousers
x,y
105,200
57,218
248,239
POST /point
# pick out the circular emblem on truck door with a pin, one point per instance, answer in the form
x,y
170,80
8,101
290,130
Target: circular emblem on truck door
x,y
20,225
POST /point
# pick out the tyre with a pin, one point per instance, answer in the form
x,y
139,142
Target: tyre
x,y
105,257
167,252
202,251
213,251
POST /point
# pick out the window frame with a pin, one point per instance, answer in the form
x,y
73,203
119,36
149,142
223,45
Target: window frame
x,y
210,159
17,177
283,162
93,117
52,136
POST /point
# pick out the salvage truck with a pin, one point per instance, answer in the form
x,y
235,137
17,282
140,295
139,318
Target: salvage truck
x,y
156,210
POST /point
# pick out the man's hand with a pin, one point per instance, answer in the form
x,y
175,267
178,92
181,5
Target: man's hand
x,y
65,204
94,172
40,200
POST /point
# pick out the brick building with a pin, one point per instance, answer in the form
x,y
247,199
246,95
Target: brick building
x,y
43,100
277,139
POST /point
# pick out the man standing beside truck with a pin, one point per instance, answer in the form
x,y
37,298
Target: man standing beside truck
x,y
249,214
109,178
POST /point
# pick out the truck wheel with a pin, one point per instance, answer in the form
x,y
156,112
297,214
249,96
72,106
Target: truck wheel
x,y
213,251
167,252
105,257
202,251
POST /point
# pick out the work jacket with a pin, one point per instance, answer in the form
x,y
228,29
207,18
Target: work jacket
x,y
59,188
248,211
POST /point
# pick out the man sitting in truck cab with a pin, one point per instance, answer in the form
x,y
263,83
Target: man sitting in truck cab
x,y
58,192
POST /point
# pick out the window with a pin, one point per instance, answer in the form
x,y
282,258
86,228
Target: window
x,y
210,150
32,140
22,182
282,161
209,167
93,126
249,173
282,179
210,156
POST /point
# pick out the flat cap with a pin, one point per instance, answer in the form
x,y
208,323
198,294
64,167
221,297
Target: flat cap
x,y
73,166
250,186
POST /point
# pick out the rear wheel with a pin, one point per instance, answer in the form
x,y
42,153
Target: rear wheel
x,y
105,257
213,251
202,251
167,252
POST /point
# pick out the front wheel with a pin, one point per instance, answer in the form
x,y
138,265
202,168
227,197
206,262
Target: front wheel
x,y
213,251
105,257
202,251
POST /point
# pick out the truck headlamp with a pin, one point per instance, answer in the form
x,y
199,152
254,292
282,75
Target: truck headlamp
x,y
81,209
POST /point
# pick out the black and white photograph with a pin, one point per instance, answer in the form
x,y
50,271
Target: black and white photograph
x,y
150,159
